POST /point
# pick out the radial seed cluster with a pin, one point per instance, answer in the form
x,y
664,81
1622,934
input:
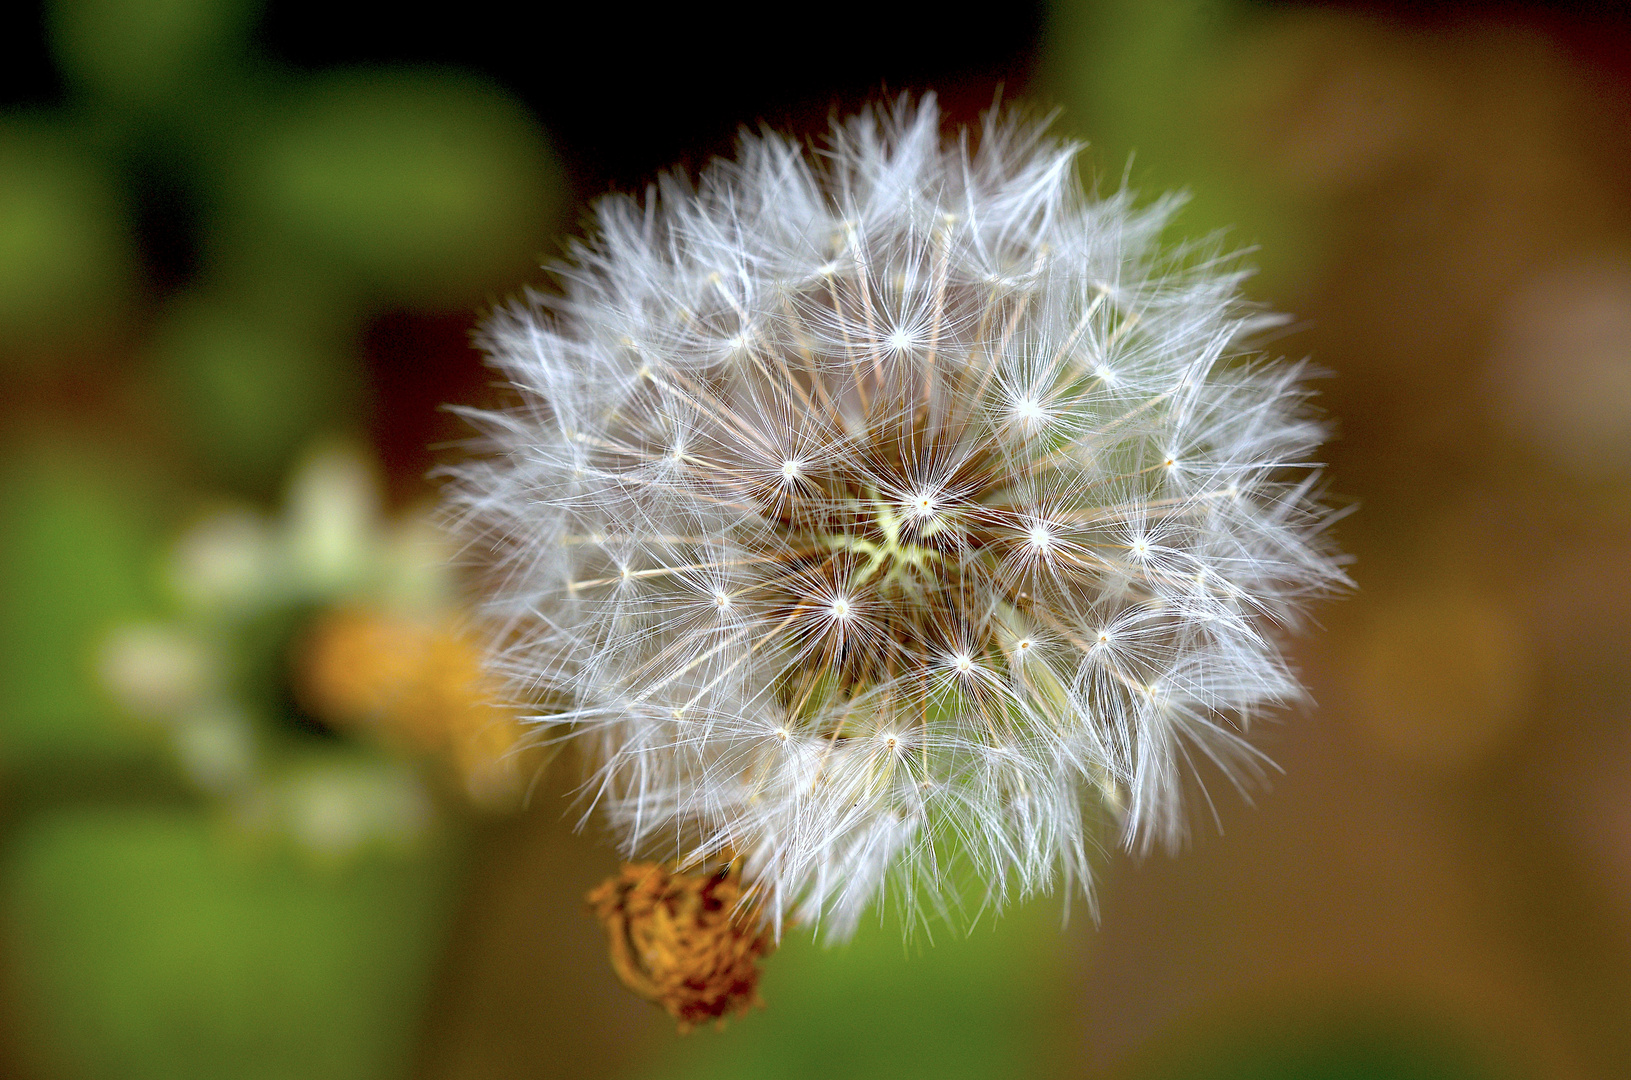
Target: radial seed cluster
x,y
892,517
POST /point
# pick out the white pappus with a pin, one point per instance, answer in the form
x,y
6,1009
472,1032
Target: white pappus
x,y
892,516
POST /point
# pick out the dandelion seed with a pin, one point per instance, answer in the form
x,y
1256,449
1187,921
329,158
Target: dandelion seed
x,y
1003,547
1030,413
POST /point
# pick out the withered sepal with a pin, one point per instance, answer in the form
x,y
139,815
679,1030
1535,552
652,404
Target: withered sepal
x,y
685,941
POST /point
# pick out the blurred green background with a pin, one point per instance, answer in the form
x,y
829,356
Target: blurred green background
x,y
256,814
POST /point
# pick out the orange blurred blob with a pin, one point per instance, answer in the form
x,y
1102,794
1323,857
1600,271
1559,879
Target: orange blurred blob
x,y
422,686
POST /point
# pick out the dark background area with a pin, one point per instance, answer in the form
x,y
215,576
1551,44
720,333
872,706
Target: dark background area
x,y
624,91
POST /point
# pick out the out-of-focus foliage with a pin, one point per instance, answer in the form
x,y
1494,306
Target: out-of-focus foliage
x,y
65,252
148,53
200,876
79,537
986,1005
1164,93
414,188
1339,1040
150,945
250,387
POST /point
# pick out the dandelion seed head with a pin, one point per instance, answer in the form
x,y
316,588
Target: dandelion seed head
x,y
904,492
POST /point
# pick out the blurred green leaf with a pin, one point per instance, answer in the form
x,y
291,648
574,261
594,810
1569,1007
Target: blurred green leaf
x,y
253,387
1155,89
65,253
79,538
143,51
142,945
425,188
992,1004
1334,1041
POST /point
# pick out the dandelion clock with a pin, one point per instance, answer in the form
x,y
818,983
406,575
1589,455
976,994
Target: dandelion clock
x,y
886,523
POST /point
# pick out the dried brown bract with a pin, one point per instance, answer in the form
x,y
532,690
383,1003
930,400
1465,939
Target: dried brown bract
x,y
684,941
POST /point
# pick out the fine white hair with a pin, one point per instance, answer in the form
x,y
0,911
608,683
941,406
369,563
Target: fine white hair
x,y
893,517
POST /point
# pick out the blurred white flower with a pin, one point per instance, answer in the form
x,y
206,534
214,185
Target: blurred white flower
x,y
333,521
895,513
353,615
227,562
